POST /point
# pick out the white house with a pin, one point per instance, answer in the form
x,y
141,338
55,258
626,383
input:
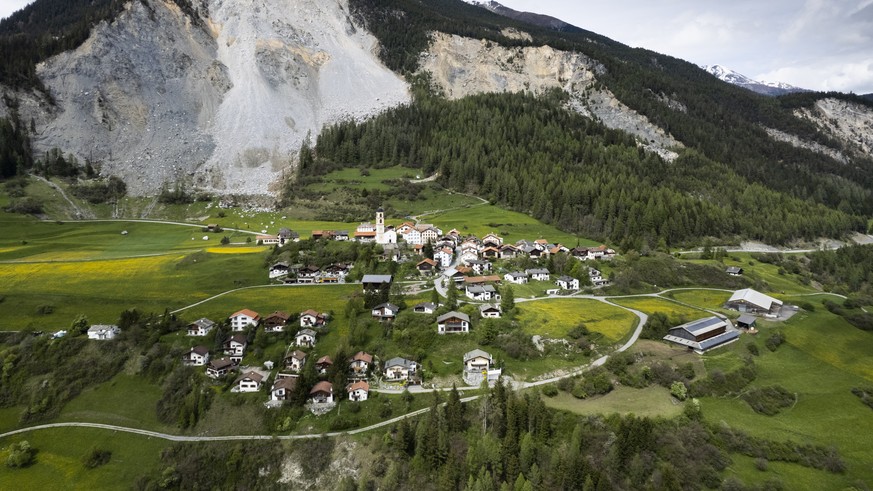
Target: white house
x,y
323,365
197,357
322,393
453,322
361,362
538,274
200,327
282,388
103,332
235,347
358,391
218,368
482,293
295,360
429,233
242,319
412,236
444,257
479,267
305,337
567,283
278,270
492,240
516,277
385,311
276,321
425,308
489,311
250,382
477,361
400,369
311,318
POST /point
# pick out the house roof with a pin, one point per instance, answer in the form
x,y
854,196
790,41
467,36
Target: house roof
x,y
309,312
324,360
307,332
280,265
476,353
537,271
246,312
453,314
220,363
481,289
239,338
103,327
566,278
363,385
487,306
387,306
362,356
257,377
323,386
734,269
746,319
426,305
280,315
200,350
376,278
287,383
297,354
202,323
426,260
517,274
481,279
755,298
702,326
397,361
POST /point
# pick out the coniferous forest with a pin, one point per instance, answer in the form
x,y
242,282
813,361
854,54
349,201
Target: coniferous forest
x,y
532,155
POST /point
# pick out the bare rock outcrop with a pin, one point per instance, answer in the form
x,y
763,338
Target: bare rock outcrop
x,y
222,101
462,66
849,122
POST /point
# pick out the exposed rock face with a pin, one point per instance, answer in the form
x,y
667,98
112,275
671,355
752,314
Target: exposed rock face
x,y
462,66
848,122
224,103
799,143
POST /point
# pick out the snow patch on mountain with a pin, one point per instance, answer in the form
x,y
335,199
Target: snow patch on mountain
x,y
767,88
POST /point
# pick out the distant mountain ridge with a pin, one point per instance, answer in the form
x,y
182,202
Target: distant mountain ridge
x,y
766,88
540,20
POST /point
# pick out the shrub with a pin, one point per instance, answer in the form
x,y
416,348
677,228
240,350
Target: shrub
x,y
774,341
25,205
21,455
45,309
769,400
678,390
865,394
753,348
550,390
96,457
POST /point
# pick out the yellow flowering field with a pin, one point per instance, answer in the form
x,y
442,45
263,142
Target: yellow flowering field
x,y
555,317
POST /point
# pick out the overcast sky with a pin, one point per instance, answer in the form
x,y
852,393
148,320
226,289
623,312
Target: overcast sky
x,y
814,44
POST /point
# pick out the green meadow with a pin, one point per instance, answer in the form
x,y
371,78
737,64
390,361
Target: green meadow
x,y
650,305
511,225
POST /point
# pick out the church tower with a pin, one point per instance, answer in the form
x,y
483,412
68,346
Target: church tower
x,y
380,226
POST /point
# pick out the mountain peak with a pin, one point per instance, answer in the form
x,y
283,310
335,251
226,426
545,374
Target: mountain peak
x,y
730,76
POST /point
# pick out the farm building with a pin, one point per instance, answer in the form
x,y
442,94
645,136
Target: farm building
x,y
703,334
748,300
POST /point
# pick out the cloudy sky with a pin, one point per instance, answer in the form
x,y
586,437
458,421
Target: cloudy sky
x,y
815,44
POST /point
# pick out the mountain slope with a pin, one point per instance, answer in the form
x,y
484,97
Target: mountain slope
x,y
531,18
222,97
766,88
